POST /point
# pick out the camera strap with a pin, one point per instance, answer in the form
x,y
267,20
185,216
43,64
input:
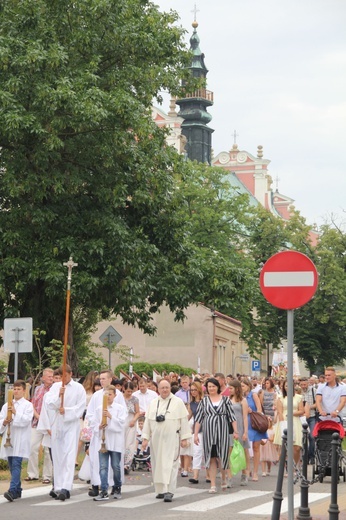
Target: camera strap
x,y
157,409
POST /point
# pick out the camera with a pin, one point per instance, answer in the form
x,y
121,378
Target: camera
x,y
160,418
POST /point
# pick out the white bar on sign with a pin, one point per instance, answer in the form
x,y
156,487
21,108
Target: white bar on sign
x,y
289,279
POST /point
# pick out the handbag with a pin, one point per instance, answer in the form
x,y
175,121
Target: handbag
x,y
237,459
86,432
259,422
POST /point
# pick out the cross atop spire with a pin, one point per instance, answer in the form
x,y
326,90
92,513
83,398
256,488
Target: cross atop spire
x,y
235,135
277,182
195,11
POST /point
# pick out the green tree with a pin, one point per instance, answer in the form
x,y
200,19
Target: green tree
x,y
320,326
84,170
264,326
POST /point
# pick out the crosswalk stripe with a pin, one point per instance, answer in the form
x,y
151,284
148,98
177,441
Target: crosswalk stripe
x,y
149,499
220,500
266,509
38,491
75,499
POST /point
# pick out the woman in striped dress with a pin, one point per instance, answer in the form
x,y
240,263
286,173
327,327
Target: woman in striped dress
x,y
215,413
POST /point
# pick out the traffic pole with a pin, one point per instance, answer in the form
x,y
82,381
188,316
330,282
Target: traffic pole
x,y
278,497
333,507
304,511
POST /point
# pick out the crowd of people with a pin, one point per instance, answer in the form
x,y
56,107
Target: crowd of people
x,y
186,422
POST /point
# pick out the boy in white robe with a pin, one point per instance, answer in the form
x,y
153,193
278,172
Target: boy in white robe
x,y
109,435
20,435
106,377
65,430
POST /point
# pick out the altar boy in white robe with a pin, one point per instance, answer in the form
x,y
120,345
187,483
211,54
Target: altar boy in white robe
x,y
65,430
19,437
106,377
108,428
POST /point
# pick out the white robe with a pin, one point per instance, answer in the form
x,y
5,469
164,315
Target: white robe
x,y
65,430
20,430
115,430
96,402
165,440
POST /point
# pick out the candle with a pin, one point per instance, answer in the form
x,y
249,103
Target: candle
x,y
9,404
104,408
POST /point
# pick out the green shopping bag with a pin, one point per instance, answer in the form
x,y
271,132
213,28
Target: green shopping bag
x,y
237,458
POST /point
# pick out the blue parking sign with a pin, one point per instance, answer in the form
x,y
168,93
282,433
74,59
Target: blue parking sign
x,y
256,366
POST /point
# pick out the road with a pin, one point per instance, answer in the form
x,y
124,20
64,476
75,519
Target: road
x,y
254,501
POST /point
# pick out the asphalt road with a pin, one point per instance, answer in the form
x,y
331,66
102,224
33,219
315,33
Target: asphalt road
x,y
238,503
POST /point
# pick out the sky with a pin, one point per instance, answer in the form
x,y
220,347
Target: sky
x,y
278,72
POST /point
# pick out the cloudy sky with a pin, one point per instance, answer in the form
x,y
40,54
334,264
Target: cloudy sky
x,y
278,72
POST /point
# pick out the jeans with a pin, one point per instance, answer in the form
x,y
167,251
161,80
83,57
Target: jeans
x,y
15,465
115,458
311,422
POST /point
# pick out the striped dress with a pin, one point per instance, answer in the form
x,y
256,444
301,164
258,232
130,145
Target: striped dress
x,y
215,421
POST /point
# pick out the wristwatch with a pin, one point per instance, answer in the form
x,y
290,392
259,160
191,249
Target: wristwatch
x,y
337,411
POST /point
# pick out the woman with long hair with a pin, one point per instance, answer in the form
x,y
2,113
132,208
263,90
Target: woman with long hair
x,y
196,392
240,408
132,405
268,398
298,411
254,405
216,413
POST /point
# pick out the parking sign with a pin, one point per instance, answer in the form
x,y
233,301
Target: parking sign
x,y
255,366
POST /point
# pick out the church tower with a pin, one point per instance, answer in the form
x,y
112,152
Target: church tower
x,y
193,109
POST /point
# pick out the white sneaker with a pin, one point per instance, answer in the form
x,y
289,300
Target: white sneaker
x,y
244,480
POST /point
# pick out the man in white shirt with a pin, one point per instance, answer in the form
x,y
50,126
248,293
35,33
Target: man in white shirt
x,y
144,396
330,396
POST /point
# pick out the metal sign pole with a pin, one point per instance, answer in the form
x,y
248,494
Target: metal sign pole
x,y
290,485
16,350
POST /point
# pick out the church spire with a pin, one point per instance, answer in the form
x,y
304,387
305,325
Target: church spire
x,y
193,107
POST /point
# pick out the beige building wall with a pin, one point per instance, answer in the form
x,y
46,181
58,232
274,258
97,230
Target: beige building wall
x,y
206,339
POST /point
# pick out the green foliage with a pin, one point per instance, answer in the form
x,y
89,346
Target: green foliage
x,y
147,368
84,171
320,326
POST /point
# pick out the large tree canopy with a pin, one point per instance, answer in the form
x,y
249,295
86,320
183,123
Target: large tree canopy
x,y
84,170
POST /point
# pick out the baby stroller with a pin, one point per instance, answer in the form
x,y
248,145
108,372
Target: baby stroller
x,y
323,432
141,460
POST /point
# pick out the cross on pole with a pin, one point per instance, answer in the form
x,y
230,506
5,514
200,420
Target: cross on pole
x,y
70,265
235,135
195,11
277,183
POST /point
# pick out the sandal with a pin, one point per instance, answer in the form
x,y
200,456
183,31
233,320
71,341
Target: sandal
x,y
30,479
46,481
212,490
224,486
255,478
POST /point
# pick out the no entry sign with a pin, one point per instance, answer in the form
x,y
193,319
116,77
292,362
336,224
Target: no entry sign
x,y
288,280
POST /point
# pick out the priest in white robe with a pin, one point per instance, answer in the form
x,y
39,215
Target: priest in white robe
x,y
167,428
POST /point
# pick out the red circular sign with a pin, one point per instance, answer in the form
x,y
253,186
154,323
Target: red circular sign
x,y
288,280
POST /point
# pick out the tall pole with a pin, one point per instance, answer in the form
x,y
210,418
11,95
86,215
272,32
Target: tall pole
x,y
70,265
290,484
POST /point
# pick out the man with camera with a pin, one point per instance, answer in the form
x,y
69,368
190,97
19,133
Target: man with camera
x,y
167,428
